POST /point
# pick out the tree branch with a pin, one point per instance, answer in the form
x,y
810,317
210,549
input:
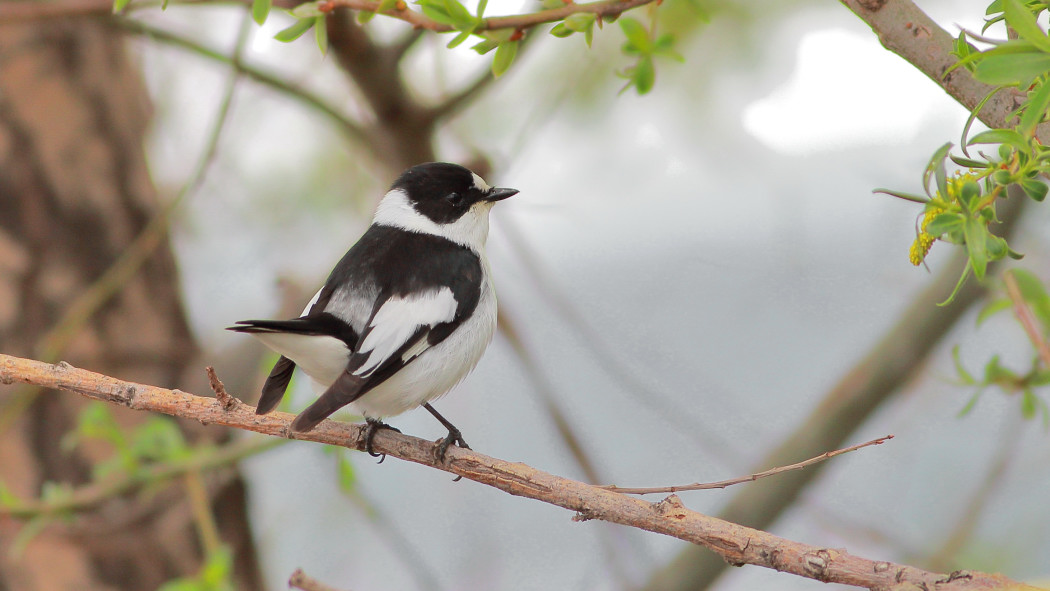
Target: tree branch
x,y
303,581
903,28
602,8
354,131
1027,320
736,544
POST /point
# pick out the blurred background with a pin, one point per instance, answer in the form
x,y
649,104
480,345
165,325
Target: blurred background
x,y
685,279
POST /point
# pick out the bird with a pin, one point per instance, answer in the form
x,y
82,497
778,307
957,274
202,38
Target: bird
x,y
406,313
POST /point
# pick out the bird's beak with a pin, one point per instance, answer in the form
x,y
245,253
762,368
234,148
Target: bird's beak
x,y
499,194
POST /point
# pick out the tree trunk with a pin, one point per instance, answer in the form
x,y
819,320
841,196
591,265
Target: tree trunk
x,y
74,192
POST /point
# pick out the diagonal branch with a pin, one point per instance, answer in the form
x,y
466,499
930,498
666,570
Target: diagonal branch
x,y
737,544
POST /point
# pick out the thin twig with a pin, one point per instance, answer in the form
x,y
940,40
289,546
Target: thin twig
x,y
1027,320
351,128
742,479
18,11
301,580
735,543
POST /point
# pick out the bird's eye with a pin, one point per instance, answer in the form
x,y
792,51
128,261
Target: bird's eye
x,y
455,199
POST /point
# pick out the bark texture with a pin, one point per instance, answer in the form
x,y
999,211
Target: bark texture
x,y
74,192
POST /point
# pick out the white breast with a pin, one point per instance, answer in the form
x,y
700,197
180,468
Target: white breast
x,y
439,368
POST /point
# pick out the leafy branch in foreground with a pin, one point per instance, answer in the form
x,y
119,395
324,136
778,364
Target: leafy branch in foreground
x,y
1028,297
737,544
959,209
502,34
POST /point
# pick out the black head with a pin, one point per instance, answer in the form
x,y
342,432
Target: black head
x,y
444,192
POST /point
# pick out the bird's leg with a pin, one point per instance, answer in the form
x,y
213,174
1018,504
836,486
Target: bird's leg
x,y
370,434
454,435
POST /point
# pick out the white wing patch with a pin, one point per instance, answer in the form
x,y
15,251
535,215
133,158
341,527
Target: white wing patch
x,y
313,301
398,320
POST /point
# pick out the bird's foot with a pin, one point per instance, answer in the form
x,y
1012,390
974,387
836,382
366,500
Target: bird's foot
x,y
454,436
370,434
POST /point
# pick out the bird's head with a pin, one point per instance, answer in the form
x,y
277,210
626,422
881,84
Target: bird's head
x,y
443,199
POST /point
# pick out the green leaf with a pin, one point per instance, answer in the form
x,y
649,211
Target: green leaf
x,y
307,10
7,498
435,10
664,46
347,476
1035,109
945,223
215,575
995,246
580,22
120,5
505,53
1034,188
973,117
969,193
1020,19
935,168
321,34
26,533
1001,136
992,308
958,285
901,195
159,438
1002,177
644,75
1028,404
485,46
451,13
1015,69
994,372
1040,378
482,5
561,31
261,10
458,39
637,38
960,370
972,403
967,162
295,31
976,238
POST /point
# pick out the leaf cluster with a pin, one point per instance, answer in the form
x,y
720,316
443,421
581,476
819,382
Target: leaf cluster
x,y
1035,296
643,45
215,575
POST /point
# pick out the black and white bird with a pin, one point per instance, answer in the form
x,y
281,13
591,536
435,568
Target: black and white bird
x,y
405,315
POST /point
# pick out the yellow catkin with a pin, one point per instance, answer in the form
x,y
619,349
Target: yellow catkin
x,y
921,247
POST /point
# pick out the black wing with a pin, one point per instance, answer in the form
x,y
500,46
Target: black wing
x,y
403,323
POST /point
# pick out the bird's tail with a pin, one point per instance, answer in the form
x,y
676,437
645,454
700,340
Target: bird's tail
x,y
346,389
275,386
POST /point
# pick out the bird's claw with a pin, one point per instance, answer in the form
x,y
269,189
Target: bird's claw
x,y
454,436
370,434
